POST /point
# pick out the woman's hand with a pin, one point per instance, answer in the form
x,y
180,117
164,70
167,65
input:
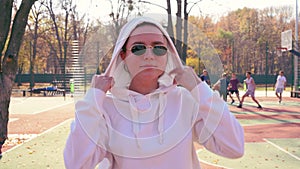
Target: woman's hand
x,y
186,77
102,82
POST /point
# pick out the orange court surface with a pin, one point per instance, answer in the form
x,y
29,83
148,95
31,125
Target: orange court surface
x,y
39,126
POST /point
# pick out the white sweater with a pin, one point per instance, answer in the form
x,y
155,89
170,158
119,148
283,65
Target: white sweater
x,y
102,131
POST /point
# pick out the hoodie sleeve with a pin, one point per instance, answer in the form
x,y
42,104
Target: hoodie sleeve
x,y
215,127
85,146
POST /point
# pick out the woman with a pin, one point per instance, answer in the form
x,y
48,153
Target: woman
x,y
155,110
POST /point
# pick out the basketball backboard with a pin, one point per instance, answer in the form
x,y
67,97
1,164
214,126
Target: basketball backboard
x,y
287,40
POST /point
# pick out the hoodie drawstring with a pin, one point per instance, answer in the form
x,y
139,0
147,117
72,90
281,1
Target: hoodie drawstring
x,y
160,115
135,118
162,103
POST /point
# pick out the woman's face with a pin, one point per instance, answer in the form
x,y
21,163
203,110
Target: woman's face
x,y
146,52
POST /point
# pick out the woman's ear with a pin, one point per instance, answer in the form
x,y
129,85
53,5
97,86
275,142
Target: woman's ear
x,y
123,54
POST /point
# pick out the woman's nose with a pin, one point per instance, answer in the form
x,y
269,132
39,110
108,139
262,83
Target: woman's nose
x,y
149,54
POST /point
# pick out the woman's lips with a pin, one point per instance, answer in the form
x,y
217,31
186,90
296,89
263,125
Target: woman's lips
x,y
148,66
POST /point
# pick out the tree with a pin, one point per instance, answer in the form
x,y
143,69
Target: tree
x,y
178,43
10,43
226,38
120,15
170,22
169,12
53,16
37,11
186,13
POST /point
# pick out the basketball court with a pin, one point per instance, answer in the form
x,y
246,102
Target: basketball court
x,y
272,137
39,126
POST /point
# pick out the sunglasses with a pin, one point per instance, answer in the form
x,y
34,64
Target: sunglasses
x,y
140,49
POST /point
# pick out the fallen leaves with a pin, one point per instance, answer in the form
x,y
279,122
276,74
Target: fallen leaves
x,y
17,139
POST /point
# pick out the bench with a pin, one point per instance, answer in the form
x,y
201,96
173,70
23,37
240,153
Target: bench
x,y
295,94
50,90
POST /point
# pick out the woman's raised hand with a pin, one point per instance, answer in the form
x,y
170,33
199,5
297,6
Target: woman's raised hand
x,y
186,77
102,82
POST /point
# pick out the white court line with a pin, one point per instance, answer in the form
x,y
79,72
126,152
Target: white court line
x,y
50,129
273,144
13,119
16,101
208,163
51,108
268,123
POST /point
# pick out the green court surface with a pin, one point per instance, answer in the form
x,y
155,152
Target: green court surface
x,y
281,153
260,113
45,151
275,153
268,104
283,104
42,152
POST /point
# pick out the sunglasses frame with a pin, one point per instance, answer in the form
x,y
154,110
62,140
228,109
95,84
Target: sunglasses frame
x,y
154,49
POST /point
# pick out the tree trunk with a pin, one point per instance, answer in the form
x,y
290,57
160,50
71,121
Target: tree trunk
x,y
185,32
65,43
10,60
179,29
74,23
5,19
58,37
34,51
170,22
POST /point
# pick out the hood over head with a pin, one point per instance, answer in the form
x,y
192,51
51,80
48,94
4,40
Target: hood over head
x,y
122,80
142,112
117,68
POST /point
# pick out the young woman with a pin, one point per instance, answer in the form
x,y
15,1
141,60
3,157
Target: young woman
x,y
155,110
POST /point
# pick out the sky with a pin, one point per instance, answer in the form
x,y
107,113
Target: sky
x,y
213,8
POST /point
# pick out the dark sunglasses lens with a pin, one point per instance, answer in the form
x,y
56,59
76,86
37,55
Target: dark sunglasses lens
x,y
159,50
138,50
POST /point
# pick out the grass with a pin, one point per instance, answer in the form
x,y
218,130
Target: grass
x,y
44,151
259,156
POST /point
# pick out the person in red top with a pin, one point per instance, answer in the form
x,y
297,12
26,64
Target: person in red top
x,y
233,87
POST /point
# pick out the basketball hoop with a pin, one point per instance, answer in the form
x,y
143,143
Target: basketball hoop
x,y
287,40
281,50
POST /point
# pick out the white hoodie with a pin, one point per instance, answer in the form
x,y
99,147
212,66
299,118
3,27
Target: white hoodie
x,y
128,130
